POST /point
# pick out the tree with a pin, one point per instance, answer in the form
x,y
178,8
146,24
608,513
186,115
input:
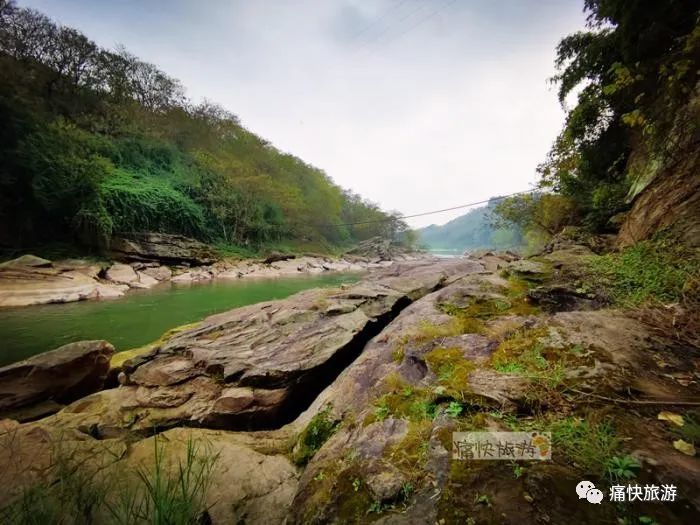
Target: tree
x,y
97,140
637,63
542,213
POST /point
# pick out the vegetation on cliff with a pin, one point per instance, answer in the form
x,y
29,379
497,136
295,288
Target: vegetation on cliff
x,y
634,76
96,142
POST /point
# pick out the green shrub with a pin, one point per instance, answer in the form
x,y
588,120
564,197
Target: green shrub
x,y
66,167
140,203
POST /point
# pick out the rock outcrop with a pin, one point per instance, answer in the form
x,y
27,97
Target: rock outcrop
x,y
377,249
386,457
30,280
672,201
62,375
127,275
161,247
260,365
339,406
665,182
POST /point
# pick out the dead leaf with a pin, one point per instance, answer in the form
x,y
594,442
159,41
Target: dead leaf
x,y
676,419
684,447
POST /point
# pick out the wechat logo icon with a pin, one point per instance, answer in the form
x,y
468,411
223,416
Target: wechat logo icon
x,y
587,490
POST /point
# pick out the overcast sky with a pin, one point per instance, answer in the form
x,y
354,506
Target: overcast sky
x,y
415,104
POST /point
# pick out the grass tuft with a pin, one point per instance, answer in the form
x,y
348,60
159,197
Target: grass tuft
x,y
79,491
659,269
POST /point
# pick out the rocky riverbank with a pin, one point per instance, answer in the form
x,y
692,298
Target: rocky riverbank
x,y
338,405
30,280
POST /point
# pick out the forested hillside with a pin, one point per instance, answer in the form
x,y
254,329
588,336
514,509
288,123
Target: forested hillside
x,y
470,231
96,142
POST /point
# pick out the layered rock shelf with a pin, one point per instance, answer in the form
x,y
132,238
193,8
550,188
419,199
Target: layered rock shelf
x,y
338,405
30,280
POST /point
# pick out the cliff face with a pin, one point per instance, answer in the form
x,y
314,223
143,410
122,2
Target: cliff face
x,y
672,200
665,191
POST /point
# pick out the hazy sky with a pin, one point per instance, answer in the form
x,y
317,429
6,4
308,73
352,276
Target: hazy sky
x,y
414,104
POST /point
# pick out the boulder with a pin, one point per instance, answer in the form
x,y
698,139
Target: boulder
x,y
110,291
144,281
245,486
577,236
65,374
192,276
529,270
89,268
161,247
241,484
30,285
121,274
277,256
159,273
378,249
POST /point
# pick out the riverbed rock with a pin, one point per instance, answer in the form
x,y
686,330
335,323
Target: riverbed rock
x,y
144,281
161,247
29,285
28,260
378,249
159,273
376,443
110,291
193,276
364,461
529,270
89,268
384,480
63,375
255,405
258,365
121,274
562,297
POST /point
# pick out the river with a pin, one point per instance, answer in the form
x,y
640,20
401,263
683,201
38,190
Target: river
x,y
141,316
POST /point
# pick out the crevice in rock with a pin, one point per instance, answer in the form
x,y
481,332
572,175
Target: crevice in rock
x,y
312,383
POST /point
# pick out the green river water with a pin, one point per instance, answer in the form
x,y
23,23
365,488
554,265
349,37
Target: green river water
x,y
141,316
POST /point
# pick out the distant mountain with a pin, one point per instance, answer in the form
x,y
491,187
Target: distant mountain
x,y
470,231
